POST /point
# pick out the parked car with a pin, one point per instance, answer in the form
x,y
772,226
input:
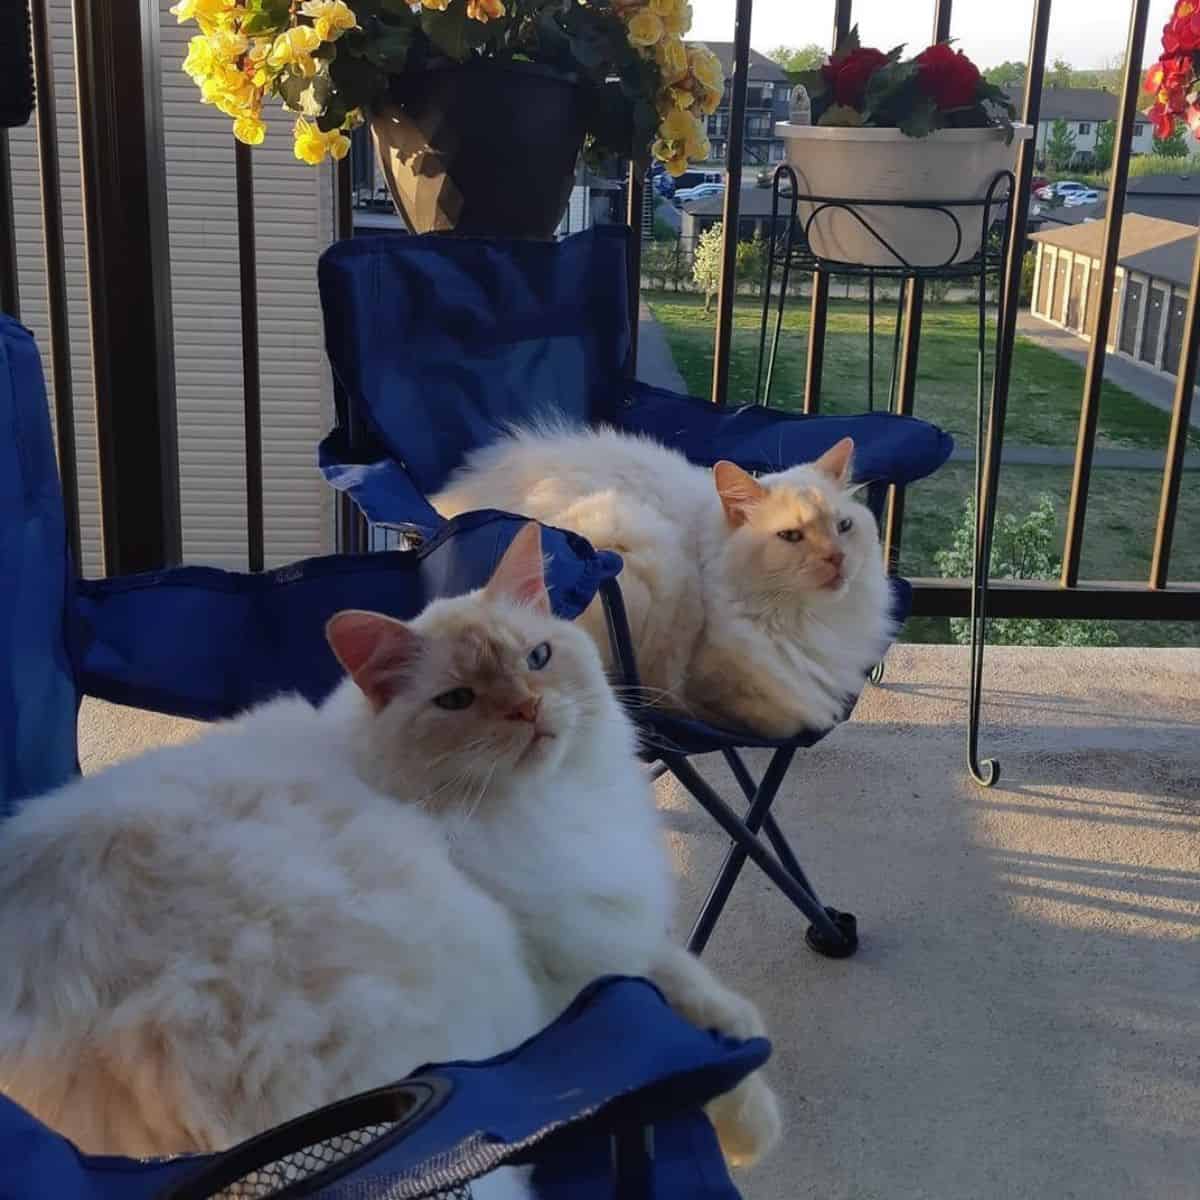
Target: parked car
x,y
1062,188
1037,183
1081,198
700,192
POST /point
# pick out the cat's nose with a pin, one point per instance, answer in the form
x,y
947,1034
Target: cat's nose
x,y
525,710
835,558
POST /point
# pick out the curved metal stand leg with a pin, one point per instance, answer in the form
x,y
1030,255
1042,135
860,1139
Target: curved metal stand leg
x,y
876,675
989,439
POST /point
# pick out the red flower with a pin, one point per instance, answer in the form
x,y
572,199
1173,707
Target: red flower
x,y
949,76
1182,31
847,75
1170,80
1162,120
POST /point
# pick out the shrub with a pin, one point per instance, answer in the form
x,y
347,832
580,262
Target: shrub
x,y
1022,548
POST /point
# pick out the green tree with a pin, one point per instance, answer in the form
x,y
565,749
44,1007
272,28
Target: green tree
x,y
1005,74
706,263
1106,133
1060,146
1175,146
1060,73
1022,548
794,59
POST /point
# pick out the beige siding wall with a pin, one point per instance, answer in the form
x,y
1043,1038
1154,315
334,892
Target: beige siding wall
x,y
294,223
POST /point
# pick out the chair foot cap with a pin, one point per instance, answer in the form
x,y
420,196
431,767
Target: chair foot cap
x,y
843,947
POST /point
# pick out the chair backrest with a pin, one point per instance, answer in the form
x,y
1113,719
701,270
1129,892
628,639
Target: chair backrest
x,y
38,698
439,343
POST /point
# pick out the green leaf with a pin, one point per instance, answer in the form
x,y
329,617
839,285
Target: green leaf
x,y
357,81
921,119
257,24
389,49
813,83
452,32
848,43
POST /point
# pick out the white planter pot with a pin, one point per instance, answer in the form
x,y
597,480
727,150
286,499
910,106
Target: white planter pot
x,y
885,164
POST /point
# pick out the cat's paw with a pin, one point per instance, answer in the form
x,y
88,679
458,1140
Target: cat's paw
x,y
747,1121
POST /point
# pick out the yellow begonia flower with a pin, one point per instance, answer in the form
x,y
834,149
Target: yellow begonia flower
x,y
293,48
485,10
709,102
436,5
261,72
679,21
671,56
645,28
706,67
250,129
229,89
210,15
311,145
199,61
668,153
330,18
227,46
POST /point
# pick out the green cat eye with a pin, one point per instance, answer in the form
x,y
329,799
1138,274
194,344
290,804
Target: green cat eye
x,y
539,656
792,535
845,525
455,698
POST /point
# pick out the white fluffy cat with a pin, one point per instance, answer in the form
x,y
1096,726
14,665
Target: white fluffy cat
x,y
308,902
759,603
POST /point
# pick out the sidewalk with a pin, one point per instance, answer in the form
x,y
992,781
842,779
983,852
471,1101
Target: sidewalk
x,y
655,365
1143,382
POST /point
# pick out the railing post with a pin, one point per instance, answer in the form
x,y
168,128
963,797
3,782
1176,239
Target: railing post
x,y
907,381
56,271
1094,379
727,290
1181,415
10,292
633,214
819,303
128,256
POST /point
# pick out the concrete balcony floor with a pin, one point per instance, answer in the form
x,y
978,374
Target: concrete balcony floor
x,y
1023,1016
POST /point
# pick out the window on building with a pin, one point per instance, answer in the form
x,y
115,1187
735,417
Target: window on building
x,y
754,96
758,126
716,151
785,94
778,152
1138,130
1085,127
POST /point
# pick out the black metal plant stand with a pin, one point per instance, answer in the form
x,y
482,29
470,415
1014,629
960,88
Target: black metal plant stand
x,y
788,250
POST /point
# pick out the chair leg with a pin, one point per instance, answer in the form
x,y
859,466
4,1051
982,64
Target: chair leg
x,y
770,826
831,933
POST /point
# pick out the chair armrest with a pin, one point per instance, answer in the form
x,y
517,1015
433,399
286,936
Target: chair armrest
x,y
888,448
204,643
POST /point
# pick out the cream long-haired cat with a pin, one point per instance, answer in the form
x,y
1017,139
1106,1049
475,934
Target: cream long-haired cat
x,y
759,603
308,902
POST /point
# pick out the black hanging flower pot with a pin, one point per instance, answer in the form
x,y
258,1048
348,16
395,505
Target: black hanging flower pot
x,y
482,149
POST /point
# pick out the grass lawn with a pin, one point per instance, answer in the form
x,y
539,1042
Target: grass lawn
x,y
1118,538
1043,411
1044,395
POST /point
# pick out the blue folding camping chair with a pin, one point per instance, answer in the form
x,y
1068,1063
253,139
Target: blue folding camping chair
x,y
608,1096
438,345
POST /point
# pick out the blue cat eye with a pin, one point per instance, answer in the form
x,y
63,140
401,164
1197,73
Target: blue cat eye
x,y
792,535
845,525
455,698
539,656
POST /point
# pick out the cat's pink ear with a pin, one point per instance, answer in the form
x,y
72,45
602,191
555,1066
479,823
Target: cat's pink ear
x,y
520,576
377,651
739,491
835,462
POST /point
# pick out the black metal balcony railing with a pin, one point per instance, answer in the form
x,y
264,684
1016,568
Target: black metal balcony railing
x,y
117,67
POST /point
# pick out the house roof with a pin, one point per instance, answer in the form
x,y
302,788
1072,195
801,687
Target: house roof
x,y
1072,104
1151,245
762,69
